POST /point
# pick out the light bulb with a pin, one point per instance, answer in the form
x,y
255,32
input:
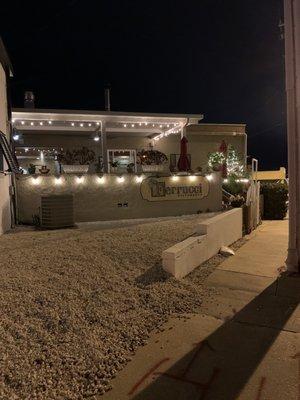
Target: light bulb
x,y
175,178
58,181
209,177
192,178
120,179
139,179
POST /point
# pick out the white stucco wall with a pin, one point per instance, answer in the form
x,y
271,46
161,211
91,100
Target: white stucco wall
x,y
5,216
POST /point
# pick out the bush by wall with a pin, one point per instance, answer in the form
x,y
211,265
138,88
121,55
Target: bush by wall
x,y
275,200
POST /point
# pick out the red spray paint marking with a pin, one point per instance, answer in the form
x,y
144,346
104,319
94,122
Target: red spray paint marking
x,y
261,386
151,370
182,377
297,357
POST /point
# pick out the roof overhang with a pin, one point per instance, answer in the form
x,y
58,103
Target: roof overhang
x,y
58,121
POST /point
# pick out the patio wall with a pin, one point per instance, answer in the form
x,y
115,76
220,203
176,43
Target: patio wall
x,y
94,201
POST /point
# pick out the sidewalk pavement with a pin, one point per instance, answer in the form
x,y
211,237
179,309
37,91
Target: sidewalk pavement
x,y
243,345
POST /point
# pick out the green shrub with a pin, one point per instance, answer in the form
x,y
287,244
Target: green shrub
x,y
275,200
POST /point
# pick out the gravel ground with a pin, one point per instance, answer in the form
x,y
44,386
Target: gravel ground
x,y
76,304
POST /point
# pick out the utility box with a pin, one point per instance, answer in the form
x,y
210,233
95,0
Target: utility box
x,y
57,211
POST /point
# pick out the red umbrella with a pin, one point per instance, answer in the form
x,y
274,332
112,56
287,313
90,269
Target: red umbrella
x,y
183,162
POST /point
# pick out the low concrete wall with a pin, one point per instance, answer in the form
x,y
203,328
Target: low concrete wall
x,y
221,230
112,199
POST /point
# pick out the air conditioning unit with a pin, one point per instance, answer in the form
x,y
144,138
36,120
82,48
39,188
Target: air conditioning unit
x,y
57,211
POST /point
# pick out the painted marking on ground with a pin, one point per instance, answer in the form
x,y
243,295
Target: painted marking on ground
x,y
297,357
183,377
149,373
260,388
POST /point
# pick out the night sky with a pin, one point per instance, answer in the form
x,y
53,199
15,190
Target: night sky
x,y
222,58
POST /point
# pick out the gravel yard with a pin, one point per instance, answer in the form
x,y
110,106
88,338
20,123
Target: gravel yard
x,y
76,304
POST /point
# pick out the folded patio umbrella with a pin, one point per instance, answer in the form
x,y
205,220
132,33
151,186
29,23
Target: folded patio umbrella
x,y
183,162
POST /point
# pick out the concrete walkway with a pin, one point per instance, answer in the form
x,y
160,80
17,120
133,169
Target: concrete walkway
x,y
244,345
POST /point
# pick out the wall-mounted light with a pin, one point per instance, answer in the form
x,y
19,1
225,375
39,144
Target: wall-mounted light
x,y
96,138
58,180
16,137
100,179
139,178
175,178
209,177
120,179
192,178
36,180
79,179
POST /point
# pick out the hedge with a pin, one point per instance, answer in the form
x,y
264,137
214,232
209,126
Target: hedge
x,y
275,200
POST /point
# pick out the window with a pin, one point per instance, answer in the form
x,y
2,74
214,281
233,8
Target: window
x,y
121,160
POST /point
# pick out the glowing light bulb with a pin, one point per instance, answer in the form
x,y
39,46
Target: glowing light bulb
x,y
138,179
192,178
209,177
175,178
58,181
36,180
96,138
49,122
120,179
90,124
22,122
79,179
16,137
132,125
31,123
225,180
81,125
72,123
100,179
41,123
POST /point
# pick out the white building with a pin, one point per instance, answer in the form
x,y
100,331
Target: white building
x,y
6,207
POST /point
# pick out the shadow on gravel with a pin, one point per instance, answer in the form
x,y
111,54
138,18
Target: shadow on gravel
x,y
219,367
152,275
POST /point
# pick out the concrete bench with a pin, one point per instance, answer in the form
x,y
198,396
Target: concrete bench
x,y
221,230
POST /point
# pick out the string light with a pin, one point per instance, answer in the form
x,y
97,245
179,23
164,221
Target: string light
x,y
100,179
41,123
36,180
49,122
72,123
139,179
58,181
22,122
81,124
31,123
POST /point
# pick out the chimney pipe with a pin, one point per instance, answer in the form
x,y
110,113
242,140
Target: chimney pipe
x,y
29,100
107,97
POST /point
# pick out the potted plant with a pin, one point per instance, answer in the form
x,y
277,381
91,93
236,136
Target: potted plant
x,y
152,160
31,169
76,161
114,166
44,170
130,168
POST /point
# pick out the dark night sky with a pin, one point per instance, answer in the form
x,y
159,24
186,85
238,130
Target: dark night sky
x,y
222,58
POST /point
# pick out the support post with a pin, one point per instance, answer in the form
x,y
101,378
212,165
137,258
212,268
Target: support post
x,y
292,66
104,147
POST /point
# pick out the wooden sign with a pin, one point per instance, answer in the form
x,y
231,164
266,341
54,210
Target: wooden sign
x,y
180,188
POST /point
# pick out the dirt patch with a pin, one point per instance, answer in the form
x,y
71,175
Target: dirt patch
x,y
75,305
